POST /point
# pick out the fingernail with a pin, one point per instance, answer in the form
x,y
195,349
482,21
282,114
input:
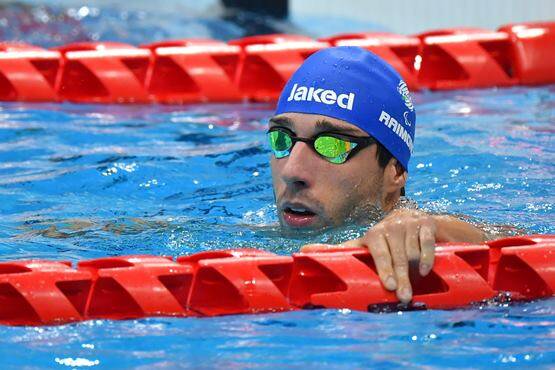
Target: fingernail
x,y
390,283
405,295
424,269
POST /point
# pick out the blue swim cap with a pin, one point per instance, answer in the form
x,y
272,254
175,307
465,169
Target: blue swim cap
x,y
352,84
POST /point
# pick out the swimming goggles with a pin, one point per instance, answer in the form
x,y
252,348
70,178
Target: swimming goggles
x,y
333,147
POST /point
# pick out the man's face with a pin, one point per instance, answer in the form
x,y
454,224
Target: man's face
x,y
311,192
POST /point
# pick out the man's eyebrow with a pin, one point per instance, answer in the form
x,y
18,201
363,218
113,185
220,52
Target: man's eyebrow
x,y
323,125
281,121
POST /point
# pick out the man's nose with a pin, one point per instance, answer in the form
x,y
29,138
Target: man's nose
x,y
298,171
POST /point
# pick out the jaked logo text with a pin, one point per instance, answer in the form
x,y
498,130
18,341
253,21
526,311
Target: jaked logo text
x,y
329,97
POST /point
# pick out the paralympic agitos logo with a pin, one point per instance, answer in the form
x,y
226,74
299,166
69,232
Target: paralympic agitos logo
x,y
329,97
403,90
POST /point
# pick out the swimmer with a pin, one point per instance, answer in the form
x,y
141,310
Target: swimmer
x,y
341,139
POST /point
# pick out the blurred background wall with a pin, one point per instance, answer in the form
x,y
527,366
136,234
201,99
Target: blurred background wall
x,y
54,22
411,16
401,16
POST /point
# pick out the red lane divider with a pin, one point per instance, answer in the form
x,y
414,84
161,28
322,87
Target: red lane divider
x,y
268,61
256,68
193,70
240,281
42,292
103,72
533,51
137,286
245,281
465,58
28,73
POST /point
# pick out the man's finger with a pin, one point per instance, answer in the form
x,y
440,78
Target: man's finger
x,y
396,242
318,247
427,247
382,259
354,243
412,242
308,248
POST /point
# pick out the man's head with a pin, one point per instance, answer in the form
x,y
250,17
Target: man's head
x,y
342,136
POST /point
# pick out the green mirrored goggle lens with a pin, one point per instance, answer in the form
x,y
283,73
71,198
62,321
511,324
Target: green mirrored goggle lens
x,y
280,142
334,149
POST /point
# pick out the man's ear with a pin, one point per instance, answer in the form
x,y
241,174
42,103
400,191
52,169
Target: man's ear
x,y
395,176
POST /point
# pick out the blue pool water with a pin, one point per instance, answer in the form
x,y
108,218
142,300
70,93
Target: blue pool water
x,y
85,181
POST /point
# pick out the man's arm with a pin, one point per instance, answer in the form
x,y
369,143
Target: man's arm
x,y
405,239
452,229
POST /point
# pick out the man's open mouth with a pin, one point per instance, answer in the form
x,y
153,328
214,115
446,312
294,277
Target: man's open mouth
x,y
298,216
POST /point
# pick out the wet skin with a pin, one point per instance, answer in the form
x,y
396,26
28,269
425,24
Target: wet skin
x,y
312,193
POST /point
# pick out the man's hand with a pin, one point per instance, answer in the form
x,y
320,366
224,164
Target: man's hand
x,y
405,240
